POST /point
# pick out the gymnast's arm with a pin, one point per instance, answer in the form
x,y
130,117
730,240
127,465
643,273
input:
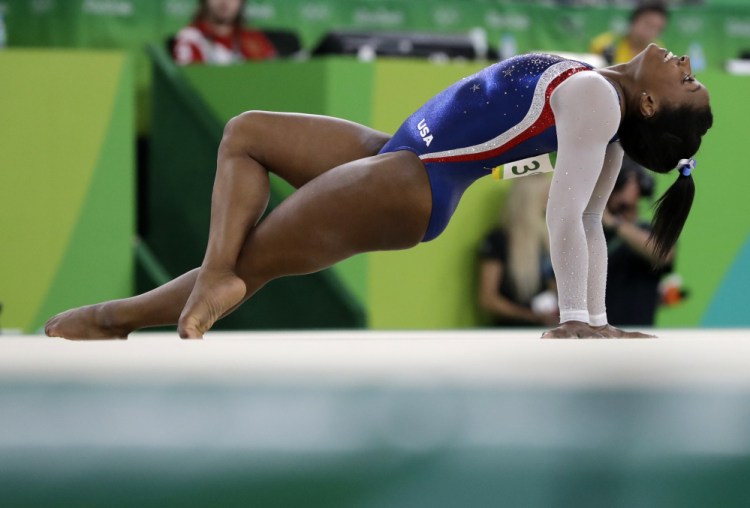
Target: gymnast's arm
x,y
587,115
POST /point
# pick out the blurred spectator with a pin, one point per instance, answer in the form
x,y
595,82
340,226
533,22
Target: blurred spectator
x,y
515,269
647,22
217,36
633,271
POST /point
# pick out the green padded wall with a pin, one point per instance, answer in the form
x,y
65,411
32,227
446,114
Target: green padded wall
x,y
66,182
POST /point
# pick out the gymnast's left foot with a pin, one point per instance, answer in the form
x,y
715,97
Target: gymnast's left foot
x,y
215,293
89,322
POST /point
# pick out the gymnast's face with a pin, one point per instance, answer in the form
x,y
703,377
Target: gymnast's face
x,y
665,80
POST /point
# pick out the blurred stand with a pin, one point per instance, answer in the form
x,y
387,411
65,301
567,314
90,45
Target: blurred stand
x,y
740,66
370,44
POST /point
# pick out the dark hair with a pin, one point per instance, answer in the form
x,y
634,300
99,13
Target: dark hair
x,y
647,7
202,13
658,143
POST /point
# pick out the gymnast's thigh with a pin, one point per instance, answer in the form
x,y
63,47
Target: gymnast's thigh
x,y
299,147
378,203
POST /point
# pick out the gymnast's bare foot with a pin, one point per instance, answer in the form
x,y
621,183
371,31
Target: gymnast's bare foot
x,y
89,322
215,293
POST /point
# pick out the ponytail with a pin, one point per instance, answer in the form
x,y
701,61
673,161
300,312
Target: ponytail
x,y
657,143
672,210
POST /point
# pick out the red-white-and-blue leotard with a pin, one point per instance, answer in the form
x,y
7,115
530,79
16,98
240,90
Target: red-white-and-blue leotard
x,y
522,107
499,115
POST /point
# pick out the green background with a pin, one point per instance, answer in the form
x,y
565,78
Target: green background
x,y
69,160
721,27
67,202
67,181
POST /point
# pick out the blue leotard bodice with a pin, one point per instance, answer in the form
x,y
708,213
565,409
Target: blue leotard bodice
x,y
500,114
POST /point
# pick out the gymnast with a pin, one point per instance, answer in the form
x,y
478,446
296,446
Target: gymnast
x,y
360,190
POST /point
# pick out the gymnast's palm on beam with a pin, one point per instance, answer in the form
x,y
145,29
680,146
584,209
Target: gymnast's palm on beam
x,y
359,190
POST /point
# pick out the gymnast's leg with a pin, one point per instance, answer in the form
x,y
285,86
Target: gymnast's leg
x,y
379,203
296,147
218,288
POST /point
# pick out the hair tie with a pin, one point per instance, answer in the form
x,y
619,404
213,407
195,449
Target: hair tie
x,y
686,166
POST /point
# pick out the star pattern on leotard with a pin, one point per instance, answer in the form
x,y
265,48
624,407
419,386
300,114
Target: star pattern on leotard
x,y
475,87
508,72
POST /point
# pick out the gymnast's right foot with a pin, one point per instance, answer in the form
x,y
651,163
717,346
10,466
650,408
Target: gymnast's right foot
x,y
89,322
215,293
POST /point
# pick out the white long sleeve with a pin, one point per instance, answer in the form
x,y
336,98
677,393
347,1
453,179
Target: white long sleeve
x,y
587,115
597,244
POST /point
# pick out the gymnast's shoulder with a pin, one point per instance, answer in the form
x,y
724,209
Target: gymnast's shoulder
x,y
587,90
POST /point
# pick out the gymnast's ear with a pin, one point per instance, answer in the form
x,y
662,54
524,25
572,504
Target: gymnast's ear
x,y
647,105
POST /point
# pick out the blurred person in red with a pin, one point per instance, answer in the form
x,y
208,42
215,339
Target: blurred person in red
x,y
217,36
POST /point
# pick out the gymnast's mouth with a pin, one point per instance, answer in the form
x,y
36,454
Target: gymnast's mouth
x,y
668,55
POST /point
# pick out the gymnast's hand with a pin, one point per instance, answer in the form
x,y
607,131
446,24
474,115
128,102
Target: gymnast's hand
x,y
581,330
611,332
573,330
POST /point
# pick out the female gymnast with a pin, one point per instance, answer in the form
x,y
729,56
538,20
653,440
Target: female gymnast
x,y
360,190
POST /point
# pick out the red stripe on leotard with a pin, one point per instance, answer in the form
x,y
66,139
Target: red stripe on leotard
x,y
546,119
